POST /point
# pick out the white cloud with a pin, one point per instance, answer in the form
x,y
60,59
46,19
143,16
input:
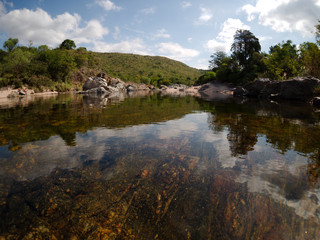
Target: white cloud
x,y
285,15
161,33
186,4
205,16
151,10
116,32
224,39
2,9
175,51
108,5
136,46
39,27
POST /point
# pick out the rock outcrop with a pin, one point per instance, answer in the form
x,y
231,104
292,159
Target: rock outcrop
x,y
300,88
103,85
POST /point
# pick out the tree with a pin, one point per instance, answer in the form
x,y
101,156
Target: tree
x,y
43,48
318,32
207,77
10,44
67,44
310,59
282,61
244,46
217,60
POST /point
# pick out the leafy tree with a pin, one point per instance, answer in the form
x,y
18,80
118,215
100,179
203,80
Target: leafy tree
x,y
60,64
18,61
207,77
318,32
217,60
229,71
10,44
43,48
310,59
244,46
282,61
67,44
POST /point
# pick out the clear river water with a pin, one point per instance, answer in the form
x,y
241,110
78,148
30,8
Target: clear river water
x,y
158,167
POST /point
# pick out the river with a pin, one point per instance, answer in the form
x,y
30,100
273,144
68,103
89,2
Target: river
x,y
158,167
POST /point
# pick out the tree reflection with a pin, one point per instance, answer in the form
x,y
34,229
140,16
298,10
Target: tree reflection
x,y
283,130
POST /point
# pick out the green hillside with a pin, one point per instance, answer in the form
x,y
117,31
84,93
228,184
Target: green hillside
x,y
66,67
147,69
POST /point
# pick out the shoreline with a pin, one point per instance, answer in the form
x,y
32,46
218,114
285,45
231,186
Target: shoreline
x,y
209,91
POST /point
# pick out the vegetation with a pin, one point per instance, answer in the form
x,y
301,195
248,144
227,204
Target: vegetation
x,y
284,60
65,67
42,68
147,69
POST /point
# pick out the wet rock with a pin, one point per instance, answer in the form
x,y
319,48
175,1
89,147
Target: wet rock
x,y
316,102
255,88
98,91
13,94
130,88
92,83
240,92
300,88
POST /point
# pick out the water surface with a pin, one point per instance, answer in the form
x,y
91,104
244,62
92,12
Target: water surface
x,y
158,167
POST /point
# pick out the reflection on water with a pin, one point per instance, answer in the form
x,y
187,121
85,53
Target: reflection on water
x,y
156,167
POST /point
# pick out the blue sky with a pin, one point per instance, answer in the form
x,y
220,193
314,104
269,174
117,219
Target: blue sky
x,y
188,31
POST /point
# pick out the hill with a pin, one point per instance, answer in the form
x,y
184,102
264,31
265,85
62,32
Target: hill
x,y
147,69
63,69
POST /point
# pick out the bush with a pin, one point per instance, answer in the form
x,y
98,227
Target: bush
x,y
207,77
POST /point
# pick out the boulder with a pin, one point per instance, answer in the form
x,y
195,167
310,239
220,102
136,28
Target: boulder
x,y
99,85
130,88
299,88
316,102
271,90
92,83
13,94
98,91
239,92
255,88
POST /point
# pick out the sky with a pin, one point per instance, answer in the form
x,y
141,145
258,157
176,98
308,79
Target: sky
x,y
188,31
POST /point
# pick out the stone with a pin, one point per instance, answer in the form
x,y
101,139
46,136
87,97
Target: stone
x,y
98,91
130,88
13,94
316,102
240,92
299,88
254,88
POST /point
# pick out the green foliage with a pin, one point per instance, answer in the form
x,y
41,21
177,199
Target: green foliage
x,y
155,70
10,44
318,32
244,46
207,77
67,44
60,64
310,59
42,68
283,61
217,60
245,62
